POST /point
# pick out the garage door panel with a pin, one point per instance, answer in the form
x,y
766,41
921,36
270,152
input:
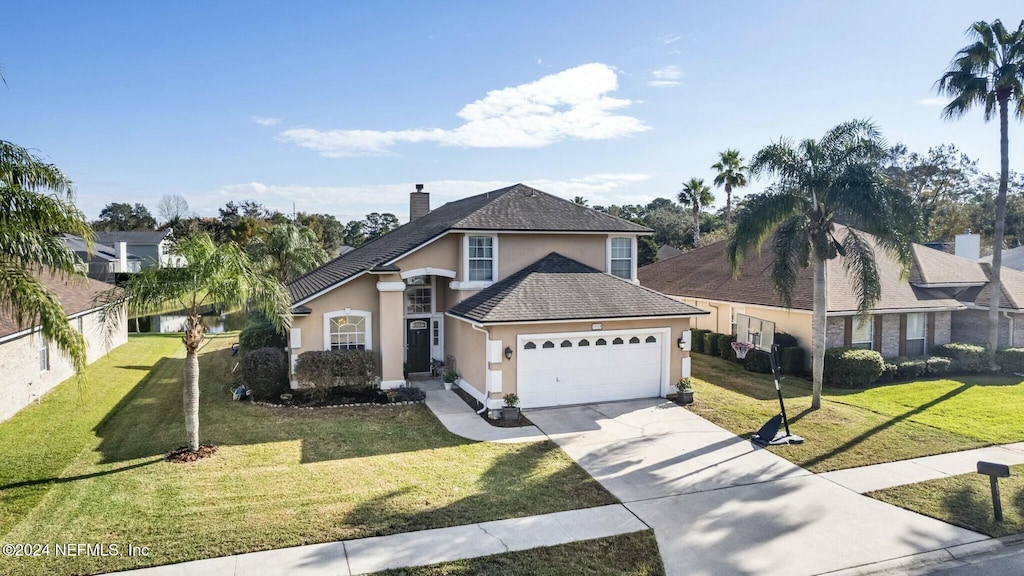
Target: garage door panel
x,y
595,373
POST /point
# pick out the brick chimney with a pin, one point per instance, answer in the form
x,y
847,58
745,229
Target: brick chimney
x,y
419,203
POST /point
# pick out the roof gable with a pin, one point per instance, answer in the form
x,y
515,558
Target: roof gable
x,y
933,266
560,288
76,294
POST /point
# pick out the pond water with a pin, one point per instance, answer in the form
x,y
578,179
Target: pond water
x,y
175,322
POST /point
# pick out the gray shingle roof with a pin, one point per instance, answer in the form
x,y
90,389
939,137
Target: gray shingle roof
x,y
133,236
560,288
98,252
515,208
76,294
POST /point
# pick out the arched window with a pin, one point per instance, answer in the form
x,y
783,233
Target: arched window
x,y
634,340
530,346
549,344
617,341
566,344
600,342
584,342
651,339
348,330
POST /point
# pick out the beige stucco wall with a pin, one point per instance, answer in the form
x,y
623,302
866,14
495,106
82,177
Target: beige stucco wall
x,y
516,251
441,253
469,349
794,322
22,383
359,294
508,334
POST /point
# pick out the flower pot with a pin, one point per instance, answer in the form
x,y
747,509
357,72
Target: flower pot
x,y
684,397
447,385
510,413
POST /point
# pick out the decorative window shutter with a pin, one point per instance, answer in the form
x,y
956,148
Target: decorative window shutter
x,y
847,331
903,334
877,346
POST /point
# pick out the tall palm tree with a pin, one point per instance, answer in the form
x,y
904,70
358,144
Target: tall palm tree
x,y
36,207
989,72
819,183
696,195
222,276
732,173
287,250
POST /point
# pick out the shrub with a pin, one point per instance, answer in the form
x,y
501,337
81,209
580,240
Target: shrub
x,y
852,367
725,347
889,372
1011,360
966,357
697,340
265,372
711,344
792,359
784,340
909,368
757,361
258,332
937,366
410,394
328,368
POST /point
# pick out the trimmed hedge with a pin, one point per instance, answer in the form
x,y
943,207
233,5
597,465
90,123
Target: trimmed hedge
x,y
910,368
1011,360
966,358
784,340
852,367
889,372
792,359
937,365
265,372
259,332
757,362
328,368
711,344
697,339
725,347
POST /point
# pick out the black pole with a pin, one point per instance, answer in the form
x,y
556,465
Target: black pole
x,y
996,503
778,387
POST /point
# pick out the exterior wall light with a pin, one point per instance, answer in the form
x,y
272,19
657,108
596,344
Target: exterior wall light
x,y
508,352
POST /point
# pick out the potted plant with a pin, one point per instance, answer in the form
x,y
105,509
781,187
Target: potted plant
x,y
684,389
511,409
450,376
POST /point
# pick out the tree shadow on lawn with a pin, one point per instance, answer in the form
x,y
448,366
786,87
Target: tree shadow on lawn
x,y
149,421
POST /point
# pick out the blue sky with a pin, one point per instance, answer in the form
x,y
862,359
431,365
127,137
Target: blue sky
x,y
341,107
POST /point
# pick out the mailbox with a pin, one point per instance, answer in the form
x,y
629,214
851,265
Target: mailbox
x,y
993,469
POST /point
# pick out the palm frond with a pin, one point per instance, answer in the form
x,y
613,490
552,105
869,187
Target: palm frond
x,y
792,244
760,216
29,302
862,270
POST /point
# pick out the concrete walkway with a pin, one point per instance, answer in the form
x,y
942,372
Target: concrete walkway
x,y
719,506
368,555
461,420
879,476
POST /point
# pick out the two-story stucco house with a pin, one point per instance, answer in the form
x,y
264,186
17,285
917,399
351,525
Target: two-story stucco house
x,y
529,293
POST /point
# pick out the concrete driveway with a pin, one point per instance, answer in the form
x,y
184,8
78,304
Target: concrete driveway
x,y
718,506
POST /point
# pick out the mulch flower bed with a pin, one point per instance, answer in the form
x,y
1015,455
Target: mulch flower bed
x,y
183,454
340,397
499,423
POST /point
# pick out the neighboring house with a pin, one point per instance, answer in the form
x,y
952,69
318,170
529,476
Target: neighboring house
x,y
1012,258
153,247
665,252
528,293
30,365
102,262
913,315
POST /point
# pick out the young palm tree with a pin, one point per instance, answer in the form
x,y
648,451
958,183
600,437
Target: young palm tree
x,y
287,251
36,207
989,73
732,173
696,195
221,276
818,184
580,200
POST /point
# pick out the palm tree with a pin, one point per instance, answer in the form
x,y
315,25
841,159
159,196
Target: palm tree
x,y
696,195
732,173
221,276
580,200
37,207
989,73
818,184
287,251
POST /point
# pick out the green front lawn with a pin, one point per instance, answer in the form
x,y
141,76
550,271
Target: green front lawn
x,y
633,554
283,477
862,427
964,500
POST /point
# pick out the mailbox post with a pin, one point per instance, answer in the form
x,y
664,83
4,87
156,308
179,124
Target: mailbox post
x,y
994,472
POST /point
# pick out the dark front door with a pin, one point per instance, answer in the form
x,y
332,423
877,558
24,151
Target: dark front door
x,y
417,350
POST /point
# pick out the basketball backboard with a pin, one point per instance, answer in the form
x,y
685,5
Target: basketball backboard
x,y
760,333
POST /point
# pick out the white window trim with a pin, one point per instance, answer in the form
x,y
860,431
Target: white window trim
x,y
608,255
433,300
44,347
328,316
466,284
924,335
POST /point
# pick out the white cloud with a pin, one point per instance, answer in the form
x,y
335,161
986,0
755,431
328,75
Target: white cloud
x,y
265,121
572,104
933,101
669,39
355,201
665,77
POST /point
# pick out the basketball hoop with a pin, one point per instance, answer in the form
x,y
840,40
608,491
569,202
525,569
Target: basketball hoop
x,y
741,349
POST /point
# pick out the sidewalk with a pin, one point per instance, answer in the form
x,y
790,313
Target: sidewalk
x,y
366,555
879,476
461,420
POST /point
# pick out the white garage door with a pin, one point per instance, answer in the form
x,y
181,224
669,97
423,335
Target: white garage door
x,y
596,367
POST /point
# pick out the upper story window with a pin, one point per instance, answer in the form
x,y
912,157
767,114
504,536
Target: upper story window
x,y
481,259
621,258
418,295
916,326
863,333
